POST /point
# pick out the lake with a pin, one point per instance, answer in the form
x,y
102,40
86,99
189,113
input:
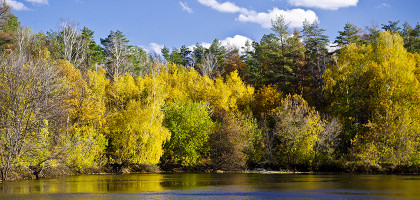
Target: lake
x,y
216,186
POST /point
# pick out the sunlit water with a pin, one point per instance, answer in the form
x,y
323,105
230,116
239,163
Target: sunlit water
x,y
216,186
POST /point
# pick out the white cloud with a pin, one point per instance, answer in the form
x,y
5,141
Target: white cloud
x,y
185,7
331,47
324,4
227,6
383,5
238,41
203,44
295,17
156,48
45,2
16,5
206,45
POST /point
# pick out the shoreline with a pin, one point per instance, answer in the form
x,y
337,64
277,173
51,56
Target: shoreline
x,y
19,174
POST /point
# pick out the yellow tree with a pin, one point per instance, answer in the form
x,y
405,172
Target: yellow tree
x,y
395,123
242,94
180,83
266,100
416,57
349,88
86,116
374,90
226,98
135,129
297,126
230,94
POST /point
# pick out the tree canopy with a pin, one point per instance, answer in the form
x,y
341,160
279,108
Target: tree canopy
x,y
288,101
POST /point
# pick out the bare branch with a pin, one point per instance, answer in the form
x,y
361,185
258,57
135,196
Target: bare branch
x,y
30,92
209,65
75,46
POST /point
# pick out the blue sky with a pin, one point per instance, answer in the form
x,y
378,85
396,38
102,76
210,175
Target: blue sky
x,y
152,24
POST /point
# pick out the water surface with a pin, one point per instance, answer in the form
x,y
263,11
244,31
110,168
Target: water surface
x,y
216,186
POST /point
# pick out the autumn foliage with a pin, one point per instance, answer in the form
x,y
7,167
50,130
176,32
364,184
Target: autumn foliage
x,y
283,103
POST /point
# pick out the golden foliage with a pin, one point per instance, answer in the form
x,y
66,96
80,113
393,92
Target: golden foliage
x,y
266,100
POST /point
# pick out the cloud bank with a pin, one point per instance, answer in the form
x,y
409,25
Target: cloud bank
x,y
295,16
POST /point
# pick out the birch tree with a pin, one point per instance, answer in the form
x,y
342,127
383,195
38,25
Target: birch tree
x,y
74,46
116,50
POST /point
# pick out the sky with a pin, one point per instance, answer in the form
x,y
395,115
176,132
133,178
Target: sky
x,y
173,23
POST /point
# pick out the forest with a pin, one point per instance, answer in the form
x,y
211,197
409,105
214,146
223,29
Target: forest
x,y
287,102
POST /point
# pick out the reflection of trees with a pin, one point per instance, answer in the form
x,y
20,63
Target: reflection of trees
x,y
189,181
129,183
184,181
257,185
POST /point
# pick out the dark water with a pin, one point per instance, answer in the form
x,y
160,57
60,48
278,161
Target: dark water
x,y
216,186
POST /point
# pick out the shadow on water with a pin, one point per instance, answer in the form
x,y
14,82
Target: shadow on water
x,y
216,186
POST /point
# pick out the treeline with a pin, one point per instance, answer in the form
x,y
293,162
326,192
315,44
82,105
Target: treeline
x,y
286,102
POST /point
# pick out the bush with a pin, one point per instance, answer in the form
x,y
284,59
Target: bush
x,y
190,125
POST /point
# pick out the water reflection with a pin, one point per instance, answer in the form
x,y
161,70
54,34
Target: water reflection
x,y
219,186
86,184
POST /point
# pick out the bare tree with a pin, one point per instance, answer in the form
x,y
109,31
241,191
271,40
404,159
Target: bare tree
x,y
74,46
24,38
116,51
328,141
209,64
29,95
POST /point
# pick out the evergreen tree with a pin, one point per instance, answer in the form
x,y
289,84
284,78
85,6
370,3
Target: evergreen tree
x,y
317,59
350,34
